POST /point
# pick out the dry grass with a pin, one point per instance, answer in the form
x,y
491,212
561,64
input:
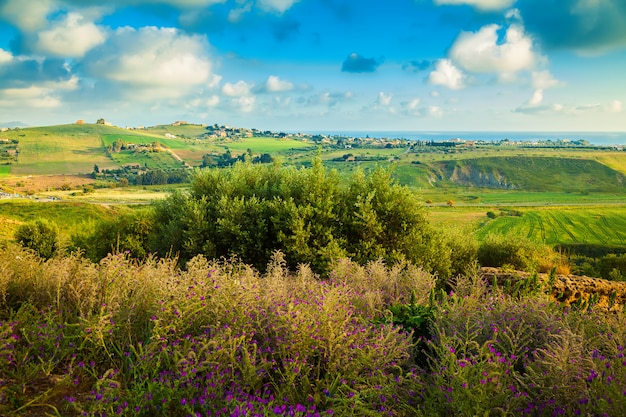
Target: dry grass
x,y
39,183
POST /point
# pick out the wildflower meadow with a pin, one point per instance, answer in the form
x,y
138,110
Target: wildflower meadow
x,y
148,338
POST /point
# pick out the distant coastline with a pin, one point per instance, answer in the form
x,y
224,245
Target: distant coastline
x,y
595,138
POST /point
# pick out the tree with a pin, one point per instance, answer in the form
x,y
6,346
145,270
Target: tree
x,y
251,210
40,236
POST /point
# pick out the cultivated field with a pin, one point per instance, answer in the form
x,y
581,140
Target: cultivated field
x,y
563,225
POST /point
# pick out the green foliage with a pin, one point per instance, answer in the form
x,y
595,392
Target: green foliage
x,y
510,250
128,232
41,236
613,267
252,210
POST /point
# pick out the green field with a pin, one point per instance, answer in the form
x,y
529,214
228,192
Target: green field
x,y
268,145
70,217
563,225
5,170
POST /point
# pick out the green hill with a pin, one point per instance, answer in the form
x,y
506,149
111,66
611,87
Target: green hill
x,y
531,173
75,149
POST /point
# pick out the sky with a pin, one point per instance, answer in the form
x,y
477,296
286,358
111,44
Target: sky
x,y
317,65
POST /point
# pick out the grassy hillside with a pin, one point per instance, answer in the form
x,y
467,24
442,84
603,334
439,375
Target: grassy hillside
x,y
532,174
70,217
563,225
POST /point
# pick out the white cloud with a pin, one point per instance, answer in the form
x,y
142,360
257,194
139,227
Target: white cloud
x,y
245,104
239,89
412,105
236,14
435,111
5,56
384,99
276,85
541,80
279,6
28,15
447,74
480,4
480,52
162,59
71,37
204,102
537,98
40,96
614,106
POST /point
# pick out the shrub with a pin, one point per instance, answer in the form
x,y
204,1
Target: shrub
x,y
512,250
40,236
250,211
129,232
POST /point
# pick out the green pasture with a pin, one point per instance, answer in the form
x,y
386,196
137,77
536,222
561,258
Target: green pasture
x,y
267,145
161,160
70,217
564,225
140,139
5,170
67,149
183,131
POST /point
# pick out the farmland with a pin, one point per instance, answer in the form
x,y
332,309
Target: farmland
x,y
563,225
565,194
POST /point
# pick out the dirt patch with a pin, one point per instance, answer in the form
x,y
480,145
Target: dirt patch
x,y
39,183
569,289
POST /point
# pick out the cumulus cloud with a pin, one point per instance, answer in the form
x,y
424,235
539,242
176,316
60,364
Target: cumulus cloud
x,y
384,100
70,37
447,75
5,56
153,58
479,4
244,104
435,111
45,95
28,15
238,89
481,52
588,26
279,6
276,85
541,80
357,63
412,107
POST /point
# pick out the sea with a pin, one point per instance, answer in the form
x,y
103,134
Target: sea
x,y
594,138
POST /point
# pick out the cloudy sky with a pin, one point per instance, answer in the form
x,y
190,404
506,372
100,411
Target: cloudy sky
x,y
514,65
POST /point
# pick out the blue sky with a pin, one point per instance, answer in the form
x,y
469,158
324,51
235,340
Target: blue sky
x,y
301,65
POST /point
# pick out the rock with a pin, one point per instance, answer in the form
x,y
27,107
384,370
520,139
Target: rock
x,y
568,289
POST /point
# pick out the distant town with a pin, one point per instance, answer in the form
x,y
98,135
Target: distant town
x,y
226,132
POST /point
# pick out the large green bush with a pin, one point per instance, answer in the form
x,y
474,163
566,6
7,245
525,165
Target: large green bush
x,y
250,211
128,232
40,236
512,251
